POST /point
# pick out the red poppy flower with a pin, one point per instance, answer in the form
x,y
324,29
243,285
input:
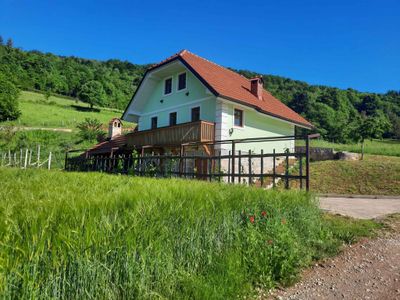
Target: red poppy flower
x,y
264,213
252,219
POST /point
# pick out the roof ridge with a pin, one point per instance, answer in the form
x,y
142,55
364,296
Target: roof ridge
x,y
236,73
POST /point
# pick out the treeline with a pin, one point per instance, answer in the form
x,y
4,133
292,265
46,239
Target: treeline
x,y
108,83
337,114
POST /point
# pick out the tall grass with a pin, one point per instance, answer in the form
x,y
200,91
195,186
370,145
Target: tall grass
x,y
71,235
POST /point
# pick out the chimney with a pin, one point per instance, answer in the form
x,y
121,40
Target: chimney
x,y
114,128
257,87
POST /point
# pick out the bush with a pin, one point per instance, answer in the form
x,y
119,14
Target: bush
x,y
79,235
8,100
90,129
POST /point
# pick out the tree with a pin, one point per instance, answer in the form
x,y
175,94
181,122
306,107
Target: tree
x,y
1,41
8,100
93,93
10,43
90,129
371,127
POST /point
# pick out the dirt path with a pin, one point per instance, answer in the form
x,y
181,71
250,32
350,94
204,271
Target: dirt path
x,y
369,269
16,128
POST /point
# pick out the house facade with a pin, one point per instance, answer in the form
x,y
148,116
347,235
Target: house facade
x,y
188,100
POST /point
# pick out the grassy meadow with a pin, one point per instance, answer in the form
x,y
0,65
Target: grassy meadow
x,y
93,235
376,147
56,112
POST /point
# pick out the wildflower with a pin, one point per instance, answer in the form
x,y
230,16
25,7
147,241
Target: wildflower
x,y
252,219
283,221
269,242
264,213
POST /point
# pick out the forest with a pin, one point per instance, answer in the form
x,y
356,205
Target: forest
x,y
338,115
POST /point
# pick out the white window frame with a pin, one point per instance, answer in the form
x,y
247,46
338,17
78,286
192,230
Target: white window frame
x,y
177,82
233,118
172,85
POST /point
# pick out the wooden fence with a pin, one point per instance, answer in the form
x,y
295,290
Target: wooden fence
x,y
25,158
259,169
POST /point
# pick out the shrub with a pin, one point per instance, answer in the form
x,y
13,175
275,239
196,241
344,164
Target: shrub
x,y
8,100
90,129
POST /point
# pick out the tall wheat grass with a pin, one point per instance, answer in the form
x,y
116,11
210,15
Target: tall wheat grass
x,y
75,235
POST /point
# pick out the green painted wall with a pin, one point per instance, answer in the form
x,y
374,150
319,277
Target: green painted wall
x,y
178,101
260,125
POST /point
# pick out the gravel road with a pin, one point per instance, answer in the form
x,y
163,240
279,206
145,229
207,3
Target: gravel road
x,y
369,269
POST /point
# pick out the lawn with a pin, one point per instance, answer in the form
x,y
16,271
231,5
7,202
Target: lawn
x,y
375,175
57,112
377,147
92,235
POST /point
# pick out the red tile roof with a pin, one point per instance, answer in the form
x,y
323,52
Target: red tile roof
x,y
233,86
108,146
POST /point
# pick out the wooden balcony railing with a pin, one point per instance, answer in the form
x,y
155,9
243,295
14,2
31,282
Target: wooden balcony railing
x,y
199,131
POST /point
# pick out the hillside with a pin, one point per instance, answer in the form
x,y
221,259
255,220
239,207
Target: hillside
x,y
333,111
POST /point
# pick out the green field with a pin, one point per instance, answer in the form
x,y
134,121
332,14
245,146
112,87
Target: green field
x,y
56,112
377,147
91,235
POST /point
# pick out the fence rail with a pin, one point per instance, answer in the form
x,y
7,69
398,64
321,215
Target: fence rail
x,y
259,169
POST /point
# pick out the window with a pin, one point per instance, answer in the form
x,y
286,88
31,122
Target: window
x,y
172,119
195,114
153,122
168,86
182,81
238,115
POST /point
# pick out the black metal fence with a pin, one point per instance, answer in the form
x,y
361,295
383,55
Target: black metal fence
x,y
259,169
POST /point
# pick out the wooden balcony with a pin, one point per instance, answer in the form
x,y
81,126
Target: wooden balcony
x,y
199,131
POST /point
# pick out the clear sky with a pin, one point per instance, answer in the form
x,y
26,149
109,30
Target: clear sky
x,y
351,43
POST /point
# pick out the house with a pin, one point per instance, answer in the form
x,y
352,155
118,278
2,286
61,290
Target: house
x,y
188,100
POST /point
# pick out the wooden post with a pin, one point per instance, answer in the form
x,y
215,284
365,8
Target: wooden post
x,y
308,163
38,156
240,167
262,168
219,165
250,175
273,169
301,171
30,157
229,166
287,171
49,163
233,162
26,158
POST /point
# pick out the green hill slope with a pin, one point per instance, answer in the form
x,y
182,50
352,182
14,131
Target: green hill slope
x,y
333,111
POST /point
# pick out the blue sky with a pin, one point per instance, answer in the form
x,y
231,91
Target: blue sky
x,y
339,43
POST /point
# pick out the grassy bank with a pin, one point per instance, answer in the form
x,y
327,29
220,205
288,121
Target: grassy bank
x,y
375,175
58,112
82,235
50,141
377,147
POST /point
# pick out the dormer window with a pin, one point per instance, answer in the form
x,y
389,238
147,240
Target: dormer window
x,y
182,81
168,86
